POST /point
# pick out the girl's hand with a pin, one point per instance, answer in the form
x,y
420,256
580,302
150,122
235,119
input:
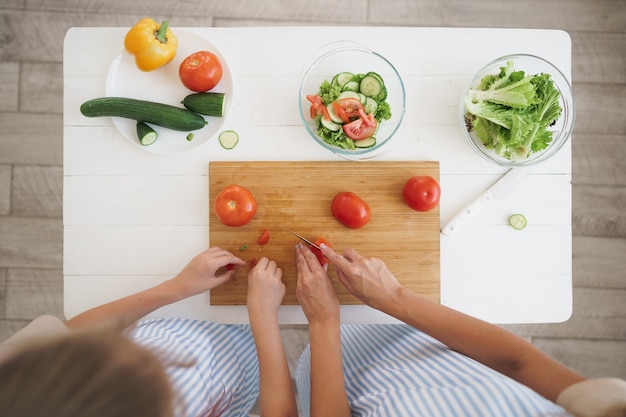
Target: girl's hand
x,y
265,289
200,274
368,279
314,290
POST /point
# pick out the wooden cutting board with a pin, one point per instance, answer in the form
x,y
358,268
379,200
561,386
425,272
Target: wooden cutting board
x,y
298,195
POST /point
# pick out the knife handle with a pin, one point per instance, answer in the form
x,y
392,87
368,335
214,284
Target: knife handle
x,y
463,216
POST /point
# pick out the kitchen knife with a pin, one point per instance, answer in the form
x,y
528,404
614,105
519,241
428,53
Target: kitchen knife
x,y
302,238
495,192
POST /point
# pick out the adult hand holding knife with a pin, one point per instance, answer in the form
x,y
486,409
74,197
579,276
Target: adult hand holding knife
x,y
493,194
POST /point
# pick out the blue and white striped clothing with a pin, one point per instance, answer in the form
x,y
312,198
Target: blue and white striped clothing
x,y
206,362
396,371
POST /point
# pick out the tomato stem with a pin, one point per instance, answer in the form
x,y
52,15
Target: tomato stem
x,y
161,34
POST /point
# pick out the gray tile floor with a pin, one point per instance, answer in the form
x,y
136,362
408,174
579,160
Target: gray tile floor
x,y
593,341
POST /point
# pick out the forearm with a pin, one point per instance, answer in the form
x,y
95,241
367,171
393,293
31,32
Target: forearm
x,y
277,397
328,390
488,344
127,310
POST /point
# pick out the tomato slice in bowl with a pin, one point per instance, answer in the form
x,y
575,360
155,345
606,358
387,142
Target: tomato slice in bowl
x,y
317,107
347,108
361,128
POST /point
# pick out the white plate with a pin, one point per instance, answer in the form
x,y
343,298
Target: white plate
x,y
164,86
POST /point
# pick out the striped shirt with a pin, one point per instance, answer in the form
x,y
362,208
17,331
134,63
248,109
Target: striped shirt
x,y
395,370
208,363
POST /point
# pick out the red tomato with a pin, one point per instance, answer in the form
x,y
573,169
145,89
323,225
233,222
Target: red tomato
x,y
422,193
350,210
200,71
319,241
317,107
252,262
234,205
264,238
230,267
361,128
347,108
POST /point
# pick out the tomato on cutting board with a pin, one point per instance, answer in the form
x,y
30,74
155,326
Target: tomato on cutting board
x,y
350,210
421,193
200,71
318,242
234,205
264,238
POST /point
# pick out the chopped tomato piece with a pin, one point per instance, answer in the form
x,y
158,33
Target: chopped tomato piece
x,y
347,108
319,241
361,128
252,262
264,238
317,107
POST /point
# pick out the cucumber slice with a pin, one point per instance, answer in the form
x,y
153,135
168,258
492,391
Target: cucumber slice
x,y
370,106
518,221
332,114
349,94
342,78
329,124
383,94
377,76
228,139
365,143
371,86
351,86
146,134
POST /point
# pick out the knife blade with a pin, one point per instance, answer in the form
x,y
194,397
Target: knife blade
x,y
304,239
487,198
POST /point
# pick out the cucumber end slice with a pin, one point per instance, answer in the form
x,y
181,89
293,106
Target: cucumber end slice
x,y
228,139
518,221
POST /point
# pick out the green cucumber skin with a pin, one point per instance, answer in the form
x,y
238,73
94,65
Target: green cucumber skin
x,y
207,103
165,115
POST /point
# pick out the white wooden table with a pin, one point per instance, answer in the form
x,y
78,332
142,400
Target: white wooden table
x,y
133,218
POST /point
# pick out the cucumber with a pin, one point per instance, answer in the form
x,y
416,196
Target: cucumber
x,y
329,124
350,86
371,86
208,103
342,78
146,134
159,114
349,94
332,114
518,221
370,105
365,143
228,139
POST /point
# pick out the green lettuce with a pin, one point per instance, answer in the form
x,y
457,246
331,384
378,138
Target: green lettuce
x,y
511,112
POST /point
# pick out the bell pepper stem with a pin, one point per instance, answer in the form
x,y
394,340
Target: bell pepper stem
x,y
161,34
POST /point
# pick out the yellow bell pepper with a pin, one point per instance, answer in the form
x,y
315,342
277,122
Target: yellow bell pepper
x,y
153,45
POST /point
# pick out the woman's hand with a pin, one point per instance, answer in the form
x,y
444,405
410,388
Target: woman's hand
x,y
265,289
368,279
200,274
314,291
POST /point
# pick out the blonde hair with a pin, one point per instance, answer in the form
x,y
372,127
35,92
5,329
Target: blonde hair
x,y
98,374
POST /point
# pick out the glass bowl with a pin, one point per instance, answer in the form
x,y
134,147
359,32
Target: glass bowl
x,y
352,57
561,130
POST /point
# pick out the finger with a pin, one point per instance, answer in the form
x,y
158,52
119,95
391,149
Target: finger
x,y
222,278
301,260
338,260
261,264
